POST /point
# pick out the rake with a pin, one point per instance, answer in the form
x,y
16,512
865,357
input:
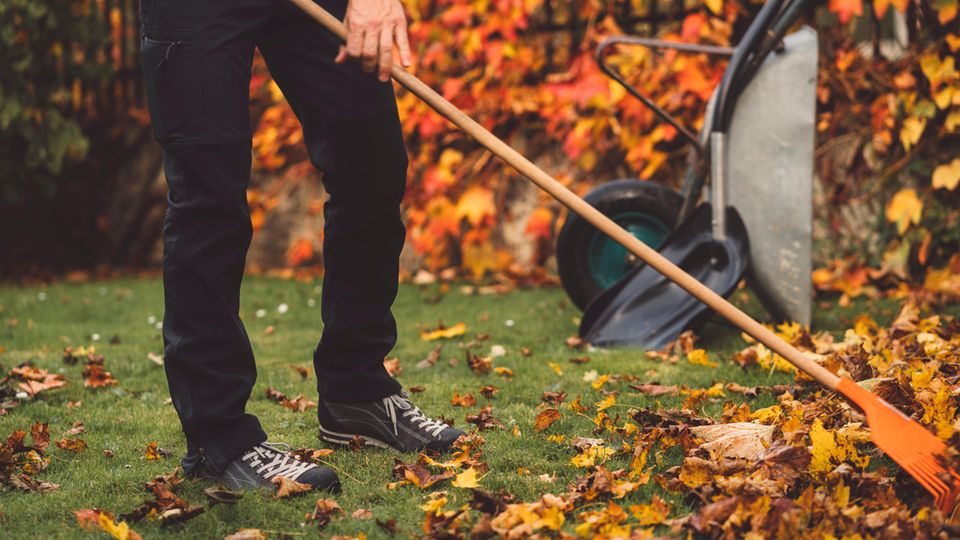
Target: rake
x,y
909,444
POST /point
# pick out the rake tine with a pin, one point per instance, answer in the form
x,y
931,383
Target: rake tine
x,y
922,467
922,478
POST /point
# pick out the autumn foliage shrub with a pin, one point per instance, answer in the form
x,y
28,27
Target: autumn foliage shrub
x,y
896,118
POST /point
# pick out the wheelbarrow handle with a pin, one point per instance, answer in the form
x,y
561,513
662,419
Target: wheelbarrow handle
x,y
586,211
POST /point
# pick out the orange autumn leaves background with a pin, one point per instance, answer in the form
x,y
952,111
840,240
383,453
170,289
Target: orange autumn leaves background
x,y
886,125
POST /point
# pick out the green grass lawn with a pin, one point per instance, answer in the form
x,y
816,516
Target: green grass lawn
x,y
37,322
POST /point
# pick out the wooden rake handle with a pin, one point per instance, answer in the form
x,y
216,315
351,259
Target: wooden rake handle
x,y
586,211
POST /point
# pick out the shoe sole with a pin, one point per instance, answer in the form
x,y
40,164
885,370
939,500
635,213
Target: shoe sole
x,y
345,439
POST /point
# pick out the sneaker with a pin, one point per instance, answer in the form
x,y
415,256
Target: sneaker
x,y
258,466
392,422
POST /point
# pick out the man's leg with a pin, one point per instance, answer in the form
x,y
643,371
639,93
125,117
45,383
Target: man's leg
x,y
353,135
196,60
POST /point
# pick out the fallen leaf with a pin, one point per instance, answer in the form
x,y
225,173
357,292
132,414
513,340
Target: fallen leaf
x,y
287,487
443,332
466,479
392,365
72,445
220,494
247,534
744,440
466,400
323,512
545,418
699,357
904,208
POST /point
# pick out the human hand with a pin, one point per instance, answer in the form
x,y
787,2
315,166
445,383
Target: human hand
x,y
373,26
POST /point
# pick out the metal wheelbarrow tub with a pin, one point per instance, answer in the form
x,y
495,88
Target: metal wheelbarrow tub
x,y
756,147
647,310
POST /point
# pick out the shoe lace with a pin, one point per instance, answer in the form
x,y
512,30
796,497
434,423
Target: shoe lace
x,y
274,459
412,413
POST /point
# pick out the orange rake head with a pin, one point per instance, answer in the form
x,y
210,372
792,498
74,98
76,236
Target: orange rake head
x,y
918,451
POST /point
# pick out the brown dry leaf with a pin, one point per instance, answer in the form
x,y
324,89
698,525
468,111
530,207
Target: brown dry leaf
x,y
484,419
479,364
417,473
247,534
72,445
220,494
392,365
302,371
553,397
77,429
431,358
95,376
654,389
362,513
545,418
488,391
574,342
40,433
743,440
275,395
466,400
26,483
299,403
287,487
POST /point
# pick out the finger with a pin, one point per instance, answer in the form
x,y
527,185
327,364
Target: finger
x,y
341,55
354,42
386,53
403,44
370,46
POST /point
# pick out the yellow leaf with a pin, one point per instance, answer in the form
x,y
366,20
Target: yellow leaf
x,y
555,367
444,332
947,176
475,205
119,531
911,131
651,514
467,479
504,371
715,6
953,41
904,208
606,403
946,10
952,121
598,382
591,456
830,449
700,358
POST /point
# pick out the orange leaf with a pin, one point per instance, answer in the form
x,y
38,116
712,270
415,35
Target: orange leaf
x,y
545,419
846,9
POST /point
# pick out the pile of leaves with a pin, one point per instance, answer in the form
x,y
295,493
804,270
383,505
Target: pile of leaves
x,y
804,463
20,462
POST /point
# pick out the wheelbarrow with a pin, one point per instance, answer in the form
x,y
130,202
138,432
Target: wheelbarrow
x,y
756,149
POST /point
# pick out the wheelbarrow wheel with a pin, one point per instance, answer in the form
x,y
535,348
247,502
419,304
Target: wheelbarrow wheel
x,y
589,261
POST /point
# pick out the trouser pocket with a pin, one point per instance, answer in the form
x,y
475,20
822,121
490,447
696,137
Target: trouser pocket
x,y
173,78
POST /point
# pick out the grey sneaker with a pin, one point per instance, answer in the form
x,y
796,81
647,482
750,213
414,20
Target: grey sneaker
x,y
258,466
392,422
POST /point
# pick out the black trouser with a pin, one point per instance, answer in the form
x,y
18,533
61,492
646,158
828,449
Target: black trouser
x,y
196,57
